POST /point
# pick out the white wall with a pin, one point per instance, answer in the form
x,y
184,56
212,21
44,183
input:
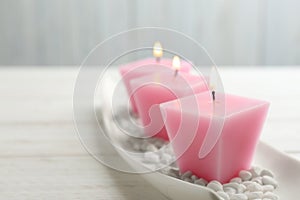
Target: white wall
x,y
234,32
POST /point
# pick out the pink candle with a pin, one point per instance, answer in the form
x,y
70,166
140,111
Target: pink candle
x,y
187,121
137,69
150,91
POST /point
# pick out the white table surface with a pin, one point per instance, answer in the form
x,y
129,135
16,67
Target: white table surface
x,y
42,158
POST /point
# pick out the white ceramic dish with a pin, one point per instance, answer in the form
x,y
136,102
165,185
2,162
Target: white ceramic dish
x,y
285,168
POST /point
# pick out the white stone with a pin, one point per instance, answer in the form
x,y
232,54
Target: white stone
x,y
271,195
267,180
266,172
151,148
246,183
144,146
239,197
243,187
201,181
254,195
186,174
255,171
236,180
223,195
215,186
194,177
136,146
257,180
151,157
245,175
254,187
159,143
236,186
166,159
229,190
268,188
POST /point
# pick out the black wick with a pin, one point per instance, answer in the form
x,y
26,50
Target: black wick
x,y
213,95
176,72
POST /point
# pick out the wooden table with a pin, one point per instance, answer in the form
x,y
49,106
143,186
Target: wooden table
x,y
41,156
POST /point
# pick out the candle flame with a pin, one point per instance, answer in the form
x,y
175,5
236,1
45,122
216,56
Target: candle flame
x,y
176,63
213,79
157,50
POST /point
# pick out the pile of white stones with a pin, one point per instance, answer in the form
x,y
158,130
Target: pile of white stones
x,y
254,184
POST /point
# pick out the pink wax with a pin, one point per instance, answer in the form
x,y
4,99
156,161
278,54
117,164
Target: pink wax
x,y
187,121
150,91
131,71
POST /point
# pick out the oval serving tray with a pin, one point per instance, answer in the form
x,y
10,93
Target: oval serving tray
x,y
285,167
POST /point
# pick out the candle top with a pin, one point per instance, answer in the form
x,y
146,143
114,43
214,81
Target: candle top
x,y
165,78
176,64
151,63
225,105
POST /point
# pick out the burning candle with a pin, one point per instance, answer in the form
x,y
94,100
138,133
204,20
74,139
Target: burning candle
x,y
188,119
176,64
157,51
150,91
147,66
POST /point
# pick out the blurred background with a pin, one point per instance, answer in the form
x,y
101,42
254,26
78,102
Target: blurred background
x,y
62,32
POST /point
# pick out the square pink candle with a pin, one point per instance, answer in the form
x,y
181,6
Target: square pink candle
x,y
149,91
137,69
187,121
